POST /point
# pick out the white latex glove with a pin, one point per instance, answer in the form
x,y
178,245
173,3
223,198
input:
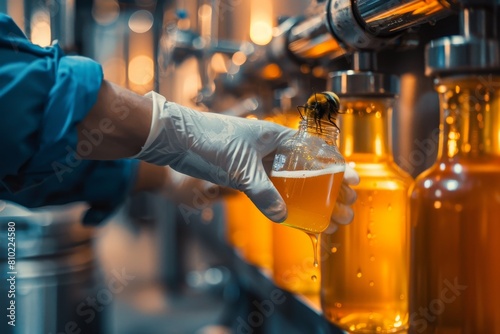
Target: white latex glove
x,y
343,213
225,150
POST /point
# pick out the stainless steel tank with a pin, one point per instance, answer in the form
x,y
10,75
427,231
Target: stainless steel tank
x,y
47,271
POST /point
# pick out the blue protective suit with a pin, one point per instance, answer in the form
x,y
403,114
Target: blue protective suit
x,y
44,94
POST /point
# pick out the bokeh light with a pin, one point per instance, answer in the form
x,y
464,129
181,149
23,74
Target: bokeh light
x,y
141,70
140,21
105,12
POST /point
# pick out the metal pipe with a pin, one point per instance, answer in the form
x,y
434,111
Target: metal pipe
x,y
388,17
343,26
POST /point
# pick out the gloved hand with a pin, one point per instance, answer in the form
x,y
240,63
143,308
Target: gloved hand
x,y
343,213
228,151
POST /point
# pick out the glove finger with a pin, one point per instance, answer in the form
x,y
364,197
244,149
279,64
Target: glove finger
x,y
351,177
347,195
342,214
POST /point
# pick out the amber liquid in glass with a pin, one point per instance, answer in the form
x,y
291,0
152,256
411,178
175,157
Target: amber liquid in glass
x,y
310,196
364,286
455,216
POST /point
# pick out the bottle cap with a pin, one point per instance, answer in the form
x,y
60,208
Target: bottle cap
x,y
459,54
363,83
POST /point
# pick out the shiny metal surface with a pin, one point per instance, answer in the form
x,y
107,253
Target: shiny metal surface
x,y
54,270
388,17
363,83
474,51
44,231
312,39
344,26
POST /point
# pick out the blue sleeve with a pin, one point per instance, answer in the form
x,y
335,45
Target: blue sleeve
x,y
43,96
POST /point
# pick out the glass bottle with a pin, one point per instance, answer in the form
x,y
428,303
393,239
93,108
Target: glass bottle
x,y
455,215
307,171
293,267
364,278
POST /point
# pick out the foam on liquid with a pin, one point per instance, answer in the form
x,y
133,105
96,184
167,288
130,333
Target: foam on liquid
x,y
308,173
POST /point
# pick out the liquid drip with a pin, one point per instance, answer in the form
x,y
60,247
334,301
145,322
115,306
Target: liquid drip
x,y
314,239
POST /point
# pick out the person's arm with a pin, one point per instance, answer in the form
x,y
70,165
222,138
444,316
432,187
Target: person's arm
x,y
120,122
228,151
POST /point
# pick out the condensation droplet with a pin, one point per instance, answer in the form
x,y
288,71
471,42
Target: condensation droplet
x,y
314,278
370,198
338,305
371,209
334,249
401,297
371,283
372,258
359,274
369,234
389,207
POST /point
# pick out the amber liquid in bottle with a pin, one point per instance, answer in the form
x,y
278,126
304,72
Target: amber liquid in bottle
x,y
455,216
364,283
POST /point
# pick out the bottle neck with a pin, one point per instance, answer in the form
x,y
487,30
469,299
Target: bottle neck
x,y
320,129
470,117
366,129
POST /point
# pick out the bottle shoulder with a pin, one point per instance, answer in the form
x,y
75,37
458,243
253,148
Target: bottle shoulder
x,y
458,179
384,175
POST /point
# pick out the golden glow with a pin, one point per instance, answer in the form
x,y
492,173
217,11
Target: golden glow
x,y
271,71
15,9
105,12
205,11
261,21
378,145
205,18
184,24
218,63
261,32
293,261
40,28
140,21
141,70
115,70
239,58
348,142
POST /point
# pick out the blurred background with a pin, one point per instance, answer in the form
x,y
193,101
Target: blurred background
x,y
157,267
